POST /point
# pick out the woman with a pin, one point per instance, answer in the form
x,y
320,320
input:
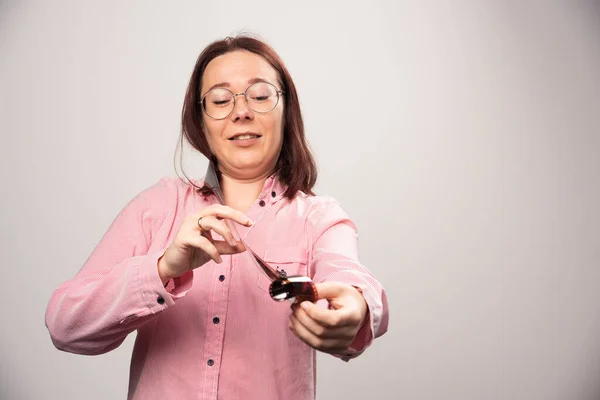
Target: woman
x,y
170,268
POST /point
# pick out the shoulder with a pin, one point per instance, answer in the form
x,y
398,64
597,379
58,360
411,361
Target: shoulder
x,y
314,203
320,210
165,191
171,186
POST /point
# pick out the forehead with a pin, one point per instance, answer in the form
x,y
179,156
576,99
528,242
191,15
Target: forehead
x,y
235,69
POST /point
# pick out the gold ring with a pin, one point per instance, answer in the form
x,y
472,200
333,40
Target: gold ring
x,y
200,225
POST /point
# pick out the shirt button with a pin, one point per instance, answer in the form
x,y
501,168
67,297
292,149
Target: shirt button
x,y
273,194
210,362
160,300
216,320
221,278
261,203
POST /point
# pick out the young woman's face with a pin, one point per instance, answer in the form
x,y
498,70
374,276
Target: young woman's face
x,y
247,141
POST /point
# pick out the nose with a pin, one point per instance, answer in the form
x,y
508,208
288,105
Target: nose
x,y
241,109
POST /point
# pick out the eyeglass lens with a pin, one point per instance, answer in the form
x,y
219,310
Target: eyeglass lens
x,y
261,97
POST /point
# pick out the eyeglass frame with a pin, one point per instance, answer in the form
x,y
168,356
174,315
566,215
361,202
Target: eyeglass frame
x,y
278,91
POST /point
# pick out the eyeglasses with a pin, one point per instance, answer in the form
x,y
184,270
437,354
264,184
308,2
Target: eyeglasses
x,y
262,97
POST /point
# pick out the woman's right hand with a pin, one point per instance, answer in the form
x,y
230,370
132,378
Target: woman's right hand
x,y
193,245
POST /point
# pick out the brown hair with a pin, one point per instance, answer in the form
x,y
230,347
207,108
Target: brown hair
x,y
295,166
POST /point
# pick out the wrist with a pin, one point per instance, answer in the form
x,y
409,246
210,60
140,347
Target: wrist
x,y
164,277
360,298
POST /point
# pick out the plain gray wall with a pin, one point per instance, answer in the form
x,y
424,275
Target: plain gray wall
x,y
463,138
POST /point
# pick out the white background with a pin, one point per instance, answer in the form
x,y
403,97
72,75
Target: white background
x,y
462,137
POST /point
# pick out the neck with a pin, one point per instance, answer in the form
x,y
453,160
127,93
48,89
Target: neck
x,y
240,193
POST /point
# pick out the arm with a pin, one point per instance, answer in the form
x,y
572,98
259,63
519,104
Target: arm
x,y
118,288
335,258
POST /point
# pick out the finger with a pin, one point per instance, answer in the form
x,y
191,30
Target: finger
x,y
203,244
331,290
225,248
316,328
221,211
343,296
212,223
325,345
327,317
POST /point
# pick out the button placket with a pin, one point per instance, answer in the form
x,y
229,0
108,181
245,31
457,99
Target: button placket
x,y
218,311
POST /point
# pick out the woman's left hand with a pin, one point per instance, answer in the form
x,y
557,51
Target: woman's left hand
x,y
330,330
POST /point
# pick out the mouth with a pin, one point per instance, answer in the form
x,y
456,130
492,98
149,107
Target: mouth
x,y
245,136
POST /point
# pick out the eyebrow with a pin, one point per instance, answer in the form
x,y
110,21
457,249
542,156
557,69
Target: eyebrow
x,y
226,84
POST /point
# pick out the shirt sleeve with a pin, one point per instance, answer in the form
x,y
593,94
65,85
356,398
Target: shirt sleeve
x,y
117,289
334,257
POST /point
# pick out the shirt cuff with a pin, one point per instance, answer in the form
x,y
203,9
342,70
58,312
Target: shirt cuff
x,y
364,336
157,296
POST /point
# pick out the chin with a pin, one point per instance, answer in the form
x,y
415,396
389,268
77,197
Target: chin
x,y
256,167
244,165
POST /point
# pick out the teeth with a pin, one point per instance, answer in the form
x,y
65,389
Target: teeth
x,y
245,137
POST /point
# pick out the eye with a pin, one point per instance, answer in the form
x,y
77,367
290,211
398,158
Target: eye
x,y
219,97
261,92
220,102
263,97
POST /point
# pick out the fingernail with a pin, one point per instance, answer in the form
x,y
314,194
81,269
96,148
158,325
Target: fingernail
x,y
250,223
219,260
304,305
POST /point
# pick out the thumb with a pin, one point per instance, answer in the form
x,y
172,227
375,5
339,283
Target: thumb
x,y
330,290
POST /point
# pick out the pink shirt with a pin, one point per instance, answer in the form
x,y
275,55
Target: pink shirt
x,y
214,332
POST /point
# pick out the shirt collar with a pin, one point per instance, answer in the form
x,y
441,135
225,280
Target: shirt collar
x,y
273,189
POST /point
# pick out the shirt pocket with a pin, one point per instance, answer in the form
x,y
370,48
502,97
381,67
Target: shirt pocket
x,y
292,260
